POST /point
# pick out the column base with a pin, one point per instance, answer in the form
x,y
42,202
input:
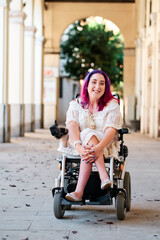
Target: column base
x,y
38,116
17,120
29,117
4,123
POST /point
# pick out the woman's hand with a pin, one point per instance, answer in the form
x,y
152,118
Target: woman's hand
x,y
91,153
80,149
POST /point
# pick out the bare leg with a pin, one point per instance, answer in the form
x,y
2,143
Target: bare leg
x,y
84,173
85,170
100,165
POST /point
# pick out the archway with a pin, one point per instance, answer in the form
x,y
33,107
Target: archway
x,y
61,15
101,48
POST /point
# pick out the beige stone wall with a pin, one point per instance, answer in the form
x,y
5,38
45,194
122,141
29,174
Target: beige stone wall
x,y
148,57
59,16
21,55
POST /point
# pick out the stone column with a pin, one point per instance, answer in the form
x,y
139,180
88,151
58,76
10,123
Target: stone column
x,y
38,82
155,81
38,63
4,107
138,76
29,46
16,67
29,78
144,105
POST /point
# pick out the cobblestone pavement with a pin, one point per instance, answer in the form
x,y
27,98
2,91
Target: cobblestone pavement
x,y
28,168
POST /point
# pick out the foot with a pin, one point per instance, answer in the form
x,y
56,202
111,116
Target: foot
x,y
73,198
107,183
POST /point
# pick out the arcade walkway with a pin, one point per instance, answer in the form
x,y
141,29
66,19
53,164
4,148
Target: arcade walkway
x,y
28,169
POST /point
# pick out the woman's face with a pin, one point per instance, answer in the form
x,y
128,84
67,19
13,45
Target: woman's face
x,y
96,86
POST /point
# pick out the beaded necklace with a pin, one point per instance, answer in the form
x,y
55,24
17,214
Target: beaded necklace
x,y
92,124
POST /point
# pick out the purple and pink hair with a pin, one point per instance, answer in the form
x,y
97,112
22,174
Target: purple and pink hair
x,y
107,96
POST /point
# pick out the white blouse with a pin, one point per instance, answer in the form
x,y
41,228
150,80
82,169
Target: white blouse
x,y
110,116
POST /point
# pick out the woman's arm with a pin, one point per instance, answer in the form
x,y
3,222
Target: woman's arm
x,y
74,135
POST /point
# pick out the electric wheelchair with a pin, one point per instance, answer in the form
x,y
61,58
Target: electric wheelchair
x,y
120,188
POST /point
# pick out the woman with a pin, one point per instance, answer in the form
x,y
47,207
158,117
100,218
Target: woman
x,y
93,121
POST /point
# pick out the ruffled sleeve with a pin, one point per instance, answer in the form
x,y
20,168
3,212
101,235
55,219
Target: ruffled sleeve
x,y
72,113
113,117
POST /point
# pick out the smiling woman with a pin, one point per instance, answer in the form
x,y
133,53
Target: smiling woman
x,y
96,77
93,121
96,88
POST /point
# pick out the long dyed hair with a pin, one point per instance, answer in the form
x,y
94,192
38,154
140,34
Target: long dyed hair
x,y
107,96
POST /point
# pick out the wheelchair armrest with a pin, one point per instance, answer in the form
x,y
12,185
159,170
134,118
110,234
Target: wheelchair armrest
x,y
124,131
58,132
121,132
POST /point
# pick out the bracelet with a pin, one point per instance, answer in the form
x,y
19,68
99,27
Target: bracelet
x,y
77,141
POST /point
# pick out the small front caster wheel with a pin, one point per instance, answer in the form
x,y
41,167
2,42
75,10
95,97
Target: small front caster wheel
x,y
58,208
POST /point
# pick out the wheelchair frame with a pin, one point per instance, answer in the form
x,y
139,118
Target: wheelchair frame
x,y
66,182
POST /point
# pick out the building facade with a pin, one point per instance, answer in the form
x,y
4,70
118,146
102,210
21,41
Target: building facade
x,y
147,80
30,35
21,68
60,14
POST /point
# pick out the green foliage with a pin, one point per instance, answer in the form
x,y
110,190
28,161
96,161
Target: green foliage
x,y
91,46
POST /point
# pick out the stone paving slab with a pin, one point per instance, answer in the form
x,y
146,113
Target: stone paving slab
x,y
35,235
28,169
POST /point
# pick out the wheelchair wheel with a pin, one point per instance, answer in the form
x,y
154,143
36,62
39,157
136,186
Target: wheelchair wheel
x,y
127,186
120,206
58,208
68,207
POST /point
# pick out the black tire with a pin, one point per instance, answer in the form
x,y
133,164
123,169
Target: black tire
x,y
127,187
58,208
120,206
